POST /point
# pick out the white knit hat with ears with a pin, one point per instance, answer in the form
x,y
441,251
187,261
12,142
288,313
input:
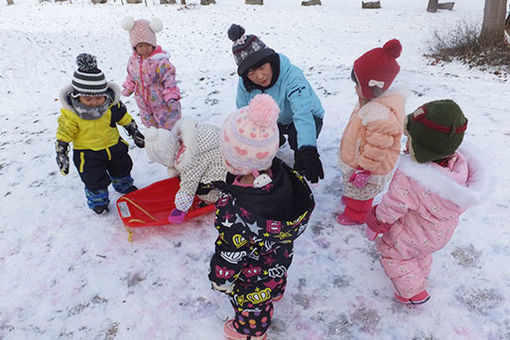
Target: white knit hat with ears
x,y
142,31
161,146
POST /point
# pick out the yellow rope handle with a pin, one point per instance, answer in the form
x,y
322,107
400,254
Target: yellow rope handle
x,y
130,233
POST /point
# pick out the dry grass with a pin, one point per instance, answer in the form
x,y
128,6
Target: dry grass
x,y
462,42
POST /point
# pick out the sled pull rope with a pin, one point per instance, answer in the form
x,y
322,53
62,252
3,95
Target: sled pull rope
x,y
130,233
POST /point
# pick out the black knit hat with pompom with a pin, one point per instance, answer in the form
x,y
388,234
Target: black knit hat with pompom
x,y
248,50
88,80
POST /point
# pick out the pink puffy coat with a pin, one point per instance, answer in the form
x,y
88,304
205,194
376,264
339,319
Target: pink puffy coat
x,y
371,140
152,79
423,205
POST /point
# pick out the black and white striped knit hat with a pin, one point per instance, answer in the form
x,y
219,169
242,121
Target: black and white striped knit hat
x,y
88,80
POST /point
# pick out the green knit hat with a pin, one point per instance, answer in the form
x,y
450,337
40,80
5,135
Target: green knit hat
x,y
435,130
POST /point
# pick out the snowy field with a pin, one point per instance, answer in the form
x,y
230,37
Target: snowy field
x,y
66,273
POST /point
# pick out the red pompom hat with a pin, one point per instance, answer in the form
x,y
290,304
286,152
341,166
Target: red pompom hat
x,y
378,67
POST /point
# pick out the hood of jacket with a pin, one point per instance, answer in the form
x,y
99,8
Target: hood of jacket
x,y
158,53
196,139
285,199
113,91
473,190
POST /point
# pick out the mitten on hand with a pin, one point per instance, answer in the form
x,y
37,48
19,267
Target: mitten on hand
x,y
176,216
226,288
308,163
360,177
62,149
132,130
126,92
374,224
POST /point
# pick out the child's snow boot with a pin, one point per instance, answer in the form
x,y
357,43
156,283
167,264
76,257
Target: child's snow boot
x,y
418,299
277,298
355,211
344,220
124,185
341,218
232,334
100,209
97,200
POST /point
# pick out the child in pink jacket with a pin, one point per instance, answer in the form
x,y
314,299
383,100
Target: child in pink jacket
x,y
151,76
432,186
370,144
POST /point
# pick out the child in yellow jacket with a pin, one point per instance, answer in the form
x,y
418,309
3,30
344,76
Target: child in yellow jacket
x,y
89,117
370,144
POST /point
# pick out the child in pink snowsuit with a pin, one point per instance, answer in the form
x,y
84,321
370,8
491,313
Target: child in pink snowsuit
x,y
370,143
432,186
151,76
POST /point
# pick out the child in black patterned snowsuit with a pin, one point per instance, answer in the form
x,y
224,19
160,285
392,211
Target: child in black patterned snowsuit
x,y
256,229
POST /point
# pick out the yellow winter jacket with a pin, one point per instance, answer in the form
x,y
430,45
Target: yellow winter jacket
x,y
95,134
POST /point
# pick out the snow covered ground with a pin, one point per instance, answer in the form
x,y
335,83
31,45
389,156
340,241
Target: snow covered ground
x,y
66,273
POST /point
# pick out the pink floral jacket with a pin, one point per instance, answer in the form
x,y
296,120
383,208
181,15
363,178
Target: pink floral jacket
x,y
152,79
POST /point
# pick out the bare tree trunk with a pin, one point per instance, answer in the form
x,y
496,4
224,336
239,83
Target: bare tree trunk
x,y
493,26
446,5
432,7
311,3
371,4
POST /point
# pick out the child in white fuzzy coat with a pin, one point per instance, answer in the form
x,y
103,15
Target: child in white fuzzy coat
x,y
192,152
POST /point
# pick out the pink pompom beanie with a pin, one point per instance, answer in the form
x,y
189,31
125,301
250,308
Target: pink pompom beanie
x,y
250,137
142,31
378,67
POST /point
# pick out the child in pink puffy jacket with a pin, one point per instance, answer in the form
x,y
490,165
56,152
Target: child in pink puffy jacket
x,y
151,76
370,144
432,186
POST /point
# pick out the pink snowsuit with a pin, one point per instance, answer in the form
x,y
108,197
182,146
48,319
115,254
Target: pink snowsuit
x,y
423,205
152,79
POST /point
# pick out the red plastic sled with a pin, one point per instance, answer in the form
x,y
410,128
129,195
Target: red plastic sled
x,y
150,206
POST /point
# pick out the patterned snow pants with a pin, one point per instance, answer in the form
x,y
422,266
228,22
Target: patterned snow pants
x,y
408,274
251,298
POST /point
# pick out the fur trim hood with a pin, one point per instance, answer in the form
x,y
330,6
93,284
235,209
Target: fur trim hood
x,y
474,191
66,91
196,139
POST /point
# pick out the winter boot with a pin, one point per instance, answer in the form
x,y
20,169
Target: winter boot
x,y
418,299
100,209
97,200
124,185
277,298
355,211
344,220
232,334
